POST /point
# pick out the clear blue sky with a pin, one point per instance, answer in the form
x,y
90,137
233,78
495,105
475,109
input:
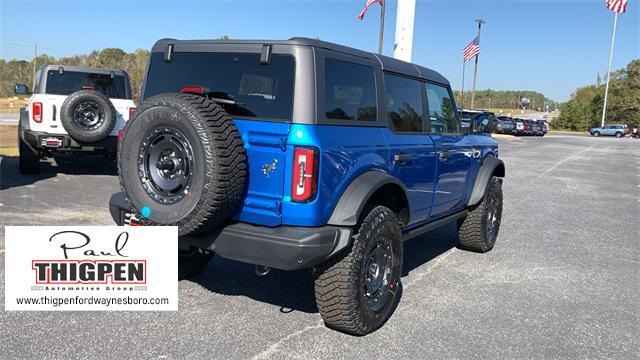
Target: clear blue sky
x,y
548,46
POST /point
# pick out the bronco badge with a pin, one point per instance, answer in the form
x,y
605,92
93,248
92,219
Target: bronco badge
x,y
267,169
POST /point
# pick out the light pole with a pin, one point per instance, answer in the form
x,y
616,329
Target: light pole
x,y
35,56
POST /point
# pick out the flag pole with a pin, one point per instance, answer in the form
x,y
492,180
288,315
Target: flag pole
x,y
382,3
606,89
475,70
462,92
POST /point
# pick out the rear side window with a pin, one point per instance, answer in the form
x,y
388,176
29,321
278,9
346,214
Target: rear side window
x,y
441,110
258,90
350,91
38,75
404,104
71,81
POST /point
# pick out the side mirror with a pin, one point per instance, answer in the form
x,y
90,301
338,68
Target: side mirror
x,y
484,124
22,89
491,126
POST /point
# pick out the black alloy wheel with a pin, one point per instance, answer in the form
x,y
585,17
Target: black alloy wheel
x,y
88,115
166,164
377,273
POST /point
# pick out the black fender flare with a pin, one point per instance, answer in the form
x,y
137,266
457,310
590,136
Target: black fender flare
x,y
355,197
24,119
491,166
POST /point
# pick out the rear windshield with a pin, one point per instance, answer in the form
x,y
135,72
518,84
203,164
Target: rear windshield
x,y
258,90
71,81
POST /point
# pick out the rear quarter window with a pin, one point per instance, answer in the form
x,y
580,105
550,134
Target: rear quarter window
x,y
350,91
259,90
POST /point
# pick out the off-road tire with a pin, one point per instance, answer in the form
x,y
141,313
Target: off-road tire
x,y
219,168
28,159
80,133
473,229
191,262
339,289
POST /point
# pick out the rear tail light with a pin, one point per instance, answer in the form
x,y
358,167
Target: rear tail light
x,y
88,87
132,110
305,174
190,89
120,134
36,112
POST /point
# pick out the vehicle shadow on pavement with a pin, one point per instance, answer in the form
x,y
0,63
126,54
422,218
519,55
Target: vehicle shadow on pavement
x,y
293,290
66,164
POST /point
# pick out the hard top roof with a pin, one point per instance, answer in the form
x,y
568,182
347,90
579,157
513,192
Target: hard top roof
x,y
85,69
387,63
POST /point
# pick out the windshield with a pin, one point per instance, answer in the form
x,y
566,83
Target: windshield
x,y
71,81
258,90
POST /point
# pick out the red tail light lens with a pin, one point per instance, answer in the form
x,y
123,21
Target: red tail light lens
x,y
305,174
132,111
36,112
120,134
190,89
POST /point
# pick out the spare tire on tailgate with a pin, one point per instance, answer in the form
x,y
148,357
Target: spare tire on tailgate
x,y
182,162
88,116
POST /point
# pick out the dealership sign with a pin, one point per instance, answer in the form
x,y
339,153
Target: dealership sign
x,y
91,268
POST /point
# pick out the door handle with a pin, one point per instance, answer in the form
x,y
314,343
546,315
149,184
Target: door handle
x,y
402,157
444,155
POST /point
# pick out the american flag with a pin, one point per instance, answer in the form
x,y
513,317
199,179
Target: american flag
x,y
471,50
618,6
366,6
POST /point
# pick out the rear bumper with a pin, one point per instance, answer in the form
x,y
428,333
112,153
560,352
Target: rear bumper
x,y
283,247
35,140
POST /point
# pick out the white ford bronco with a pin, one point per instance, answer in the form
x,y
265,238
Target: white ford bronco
x,y
75,110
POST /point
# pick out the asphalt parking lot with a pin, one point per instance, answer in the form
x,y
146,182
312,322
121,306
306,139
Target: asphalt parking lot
x,y
562,281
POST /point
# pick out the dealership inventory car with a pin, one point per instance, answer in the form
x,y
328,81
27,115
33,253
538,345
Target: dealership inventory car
x,y
303,154
616,130
72,109
505,125
520,126
537,128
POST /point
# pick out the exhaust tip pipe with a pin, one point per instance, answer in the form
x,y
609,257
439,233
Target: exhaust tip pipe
x,y
262,270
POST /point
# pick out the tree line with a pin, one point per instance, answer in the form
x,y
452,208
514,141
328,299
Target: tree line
x,y
21,71
584,109
506,99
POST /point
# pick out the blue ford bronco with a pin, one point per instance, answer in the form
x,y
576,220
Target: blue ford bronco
x,y
303,154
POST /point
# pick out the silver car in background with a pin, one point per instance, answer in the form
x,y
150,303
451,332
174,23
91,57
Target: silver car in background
x,y
616,130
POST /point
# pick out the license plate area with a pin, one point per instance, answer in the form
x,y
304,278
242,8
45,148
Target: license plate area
x,y
51,142
131,219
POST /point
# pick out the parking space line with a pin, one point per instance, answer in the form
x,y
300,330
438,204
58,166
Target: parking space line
x,y
271,350
266,354
564,161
